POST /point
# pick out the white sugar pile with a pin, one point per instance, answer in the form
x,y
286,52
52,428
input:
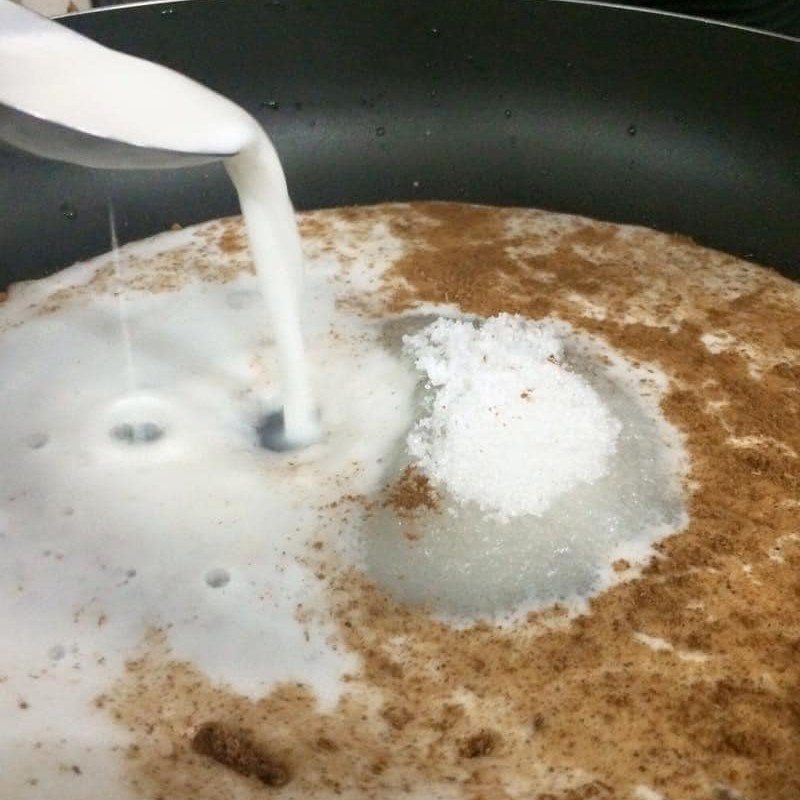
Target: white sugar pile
x,y
510,427
550,459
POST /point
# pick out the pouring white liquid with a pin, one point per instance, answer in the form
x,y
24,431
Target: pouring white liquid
x,y
275,245
50,72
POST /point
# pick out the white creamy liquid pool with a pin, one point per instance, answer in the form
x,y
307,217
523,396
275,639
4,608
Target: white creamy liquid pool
x,y
197,532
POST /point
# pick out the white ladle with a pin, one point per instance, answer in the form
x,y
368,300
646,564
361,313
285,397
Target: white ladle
x,y
63,96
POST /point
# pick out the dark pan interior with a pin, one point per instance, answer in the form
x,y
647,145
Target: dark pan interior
x,y
615,113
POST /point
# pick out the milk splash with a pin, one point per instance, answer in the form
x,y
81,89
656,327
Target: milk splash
x,y
122,308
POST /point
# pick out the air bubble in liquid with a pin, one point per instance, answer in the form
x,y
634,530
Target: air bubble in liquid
x,y
137,433
217,578
57,652
36,441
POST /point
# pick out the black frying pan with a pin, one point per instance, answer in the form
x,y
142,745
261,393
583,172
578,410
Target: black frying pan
x,y
619,114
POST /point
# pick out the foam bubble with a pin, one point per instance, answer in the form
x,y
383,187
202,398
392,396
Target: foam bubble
x,y
217,578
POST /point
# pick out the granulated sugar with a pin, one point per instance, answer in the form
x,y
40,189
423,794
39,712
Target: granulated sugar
x,y
510,427
549,463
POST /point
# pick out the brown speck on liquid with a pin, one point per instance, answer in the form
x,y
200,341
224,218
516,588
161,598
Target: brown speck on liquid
x,y
411,492
479,744
236,750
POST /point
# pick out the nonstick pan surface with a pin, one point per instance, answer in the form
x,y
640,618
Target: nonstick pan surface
x,y
625,115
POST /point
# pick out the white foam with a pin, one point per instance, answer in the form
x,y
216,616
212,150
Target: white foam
x,y
642,792
653,642
54,73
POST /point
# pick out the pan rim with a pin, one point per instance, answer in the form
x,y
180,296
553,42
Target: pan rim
x,y
596,3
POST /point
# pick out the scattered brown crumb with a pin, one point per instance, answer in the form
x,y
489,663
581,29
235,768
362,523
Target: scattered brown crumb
x,y
237,751
479,744
324,743
620,565
24,705
411,492
233,238
594,790
396,716
176,226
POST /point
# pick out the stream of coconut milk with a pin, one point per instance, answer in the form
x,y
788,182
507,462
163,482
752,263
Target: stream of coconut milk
x,y
53,73
275,246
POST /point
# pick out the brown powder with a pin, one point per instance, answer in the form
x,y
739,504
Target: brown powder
x,y
411,492
587,707
236,750
217,253
396,716
233,238
479,744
